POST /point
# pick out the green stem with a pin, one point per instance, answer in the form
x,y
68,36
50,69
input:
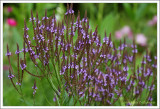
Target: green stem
x,y
45,95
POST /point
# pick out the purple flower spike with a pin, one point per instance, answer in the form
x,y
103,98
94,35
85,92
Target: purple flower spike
x,y
61,72
26,50
23,66
70,11
17,83
34,88
54,99
128,104
143,62
84,20
155,57
150,99
17,52
34,92
11,76
27,29
27,36
80,93
108,102
124,61
154,66
135,51
45,18
125,68
151,87
150,104
8,54
130,58
30,19
106,39
134,46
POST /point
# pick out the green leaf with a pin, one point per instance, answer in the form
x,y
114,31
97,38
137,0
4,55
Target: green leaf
x,y
122,101
141,11
71,102
17,37
66,97
100,13
78,104
43,6
58,100
107,24
128,10
29,7
81,98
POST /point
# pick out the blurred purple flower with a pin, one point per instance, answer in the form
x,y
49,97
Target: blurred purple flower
x,y
125,31
5,67
54,99
153,21
17,83
118,34
9,9
141,39
128,104
11,22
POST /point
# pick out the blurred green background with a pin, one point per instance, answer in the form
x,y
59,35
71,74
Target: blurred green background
x,y
112,17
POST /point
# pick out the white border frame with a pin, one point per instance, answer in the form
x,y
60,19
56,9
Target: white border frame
x,y
151,1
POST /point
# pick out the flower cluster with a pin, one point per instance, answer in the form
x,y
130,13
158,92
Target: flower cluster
x,y
11,76
97,71
126,30
153,21
11,22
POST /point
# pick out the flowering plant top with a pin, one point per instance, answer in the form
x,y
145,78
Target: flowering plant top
x,y
72,54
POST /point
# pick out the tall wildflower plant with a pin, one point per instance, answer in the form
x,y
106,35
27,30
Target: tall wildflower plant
x,y
81,68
